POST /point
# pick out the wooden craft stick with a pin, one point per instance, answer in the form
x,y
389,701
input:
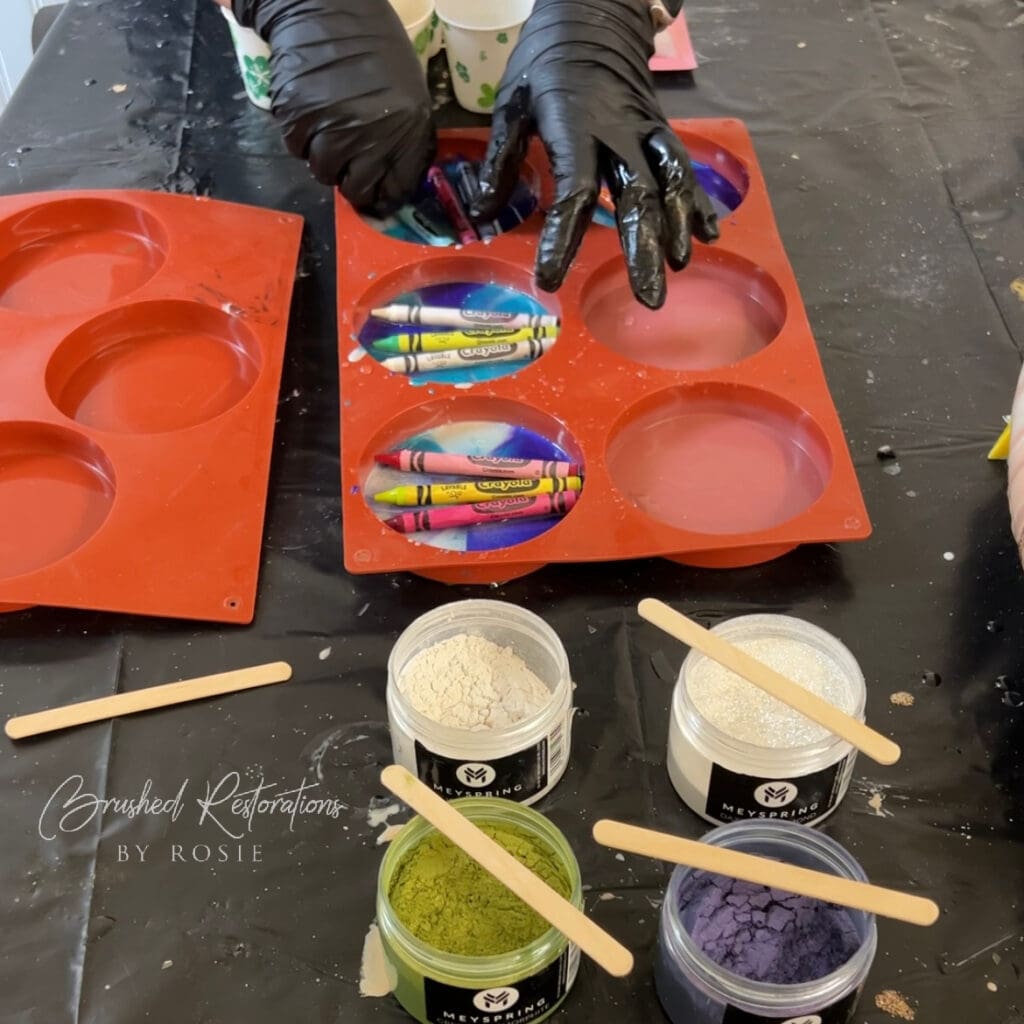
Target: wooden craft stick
x,y
818,885
554,908
145,700
878,747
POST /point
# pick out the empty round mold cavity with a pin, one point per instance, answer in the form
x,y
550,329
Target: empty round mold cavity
x,y
153,367
497,290
72,255
56,488
425,220
719,459
720,310
469,426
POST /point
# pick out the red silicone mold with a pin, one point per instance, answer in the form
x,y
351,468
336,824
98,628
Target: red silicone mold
x,y
142,343
707,430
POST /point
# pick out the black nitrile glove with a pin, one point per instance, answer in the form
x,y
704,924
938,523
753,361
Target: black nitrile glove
x,y
350,94
579,77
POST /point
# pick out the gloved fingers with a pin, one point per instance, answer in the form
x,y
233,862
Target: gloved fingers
x,y
638,208
506,150
575,169
377,179
688,210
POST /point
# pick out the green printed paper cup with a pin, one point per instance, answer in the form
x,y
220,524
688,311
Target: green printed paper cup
x,y
436,35
479,36
253,61
418,21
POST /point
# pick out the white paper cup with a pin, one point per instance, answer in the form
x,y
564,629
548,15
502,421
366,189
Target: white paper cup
x,y
417,20
479,36
253,61
436,35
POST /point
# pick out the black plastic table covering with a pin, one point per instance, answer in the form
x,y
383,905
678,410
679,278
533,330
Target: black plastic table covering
x,y
891,134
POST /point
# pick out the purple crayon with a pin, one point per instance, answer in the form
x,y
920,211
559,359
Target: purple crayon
x,y
453,516
409,460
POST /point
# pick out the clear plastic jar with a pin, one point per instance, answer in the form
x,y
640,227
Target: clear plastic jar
x,y
726,779
694,989
521,986
522,762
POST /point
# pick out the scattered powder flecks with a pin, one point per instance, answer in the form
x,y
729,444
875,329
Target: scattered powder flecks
x,y
324,654
166,965
389,833
902,699
606,896
992,986
895,1005
875,803
374,972
378,815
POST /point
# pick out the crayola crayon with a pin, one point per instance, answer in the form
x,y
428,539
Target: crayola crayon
x,y
455,358
475,490
452,206
474,337
440,316
453,516
409,460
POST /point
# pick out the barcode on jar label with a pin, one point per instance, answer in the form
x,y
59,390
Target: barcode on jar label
x,y
518,776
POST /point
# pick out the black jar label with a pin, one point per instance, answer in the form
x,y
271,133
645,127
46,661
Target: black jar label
x,y
838,1013
518,776
526,1000
803,798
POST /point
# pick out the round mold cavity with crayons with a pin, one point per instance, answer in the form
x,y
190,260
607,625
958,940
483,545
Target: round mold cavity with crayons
x,y
75,255
734,752
733,950
457,944
56,490
517,474
439,215
153,367
458,321
719,459
721,310
722,176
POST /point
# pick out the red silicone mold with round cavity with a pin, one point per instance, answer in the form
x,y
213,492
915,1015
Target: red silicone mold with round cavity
x,y
143,342
707,429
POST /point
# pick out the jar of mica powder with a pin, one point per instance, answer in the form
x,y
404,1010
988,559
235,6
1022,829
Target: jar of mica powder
x,y
519,986
693,985
480,701
736,753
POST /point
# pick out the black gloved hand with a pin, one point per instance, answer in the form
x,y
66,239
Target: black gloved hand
x,y
350,94
580,78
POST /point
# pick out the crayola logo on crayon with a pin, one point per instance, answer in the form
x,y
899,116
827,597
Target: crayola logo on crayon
x,y
490,332
496,461
480,316
485,353
501,505
506,486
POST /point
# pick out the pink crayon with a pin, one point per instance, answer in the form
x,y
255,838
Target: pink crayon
x,y
452,205
409,460
451,516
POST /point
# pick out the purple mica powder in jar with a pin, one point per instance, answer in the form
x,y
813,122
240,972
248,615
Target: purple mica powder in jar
x,y
767,934
731,952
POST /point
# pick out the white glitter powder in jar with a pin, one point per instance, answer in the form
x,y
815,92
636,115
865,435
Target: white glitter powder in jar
x,y
745,712
737,753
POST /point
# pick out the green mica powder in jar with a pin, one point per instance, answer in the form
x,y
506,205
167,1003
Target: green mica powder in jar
x,y
446,900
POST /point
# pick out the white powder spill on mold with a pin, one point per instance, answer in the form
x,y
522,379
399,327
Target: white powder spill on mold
x,y
375,973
